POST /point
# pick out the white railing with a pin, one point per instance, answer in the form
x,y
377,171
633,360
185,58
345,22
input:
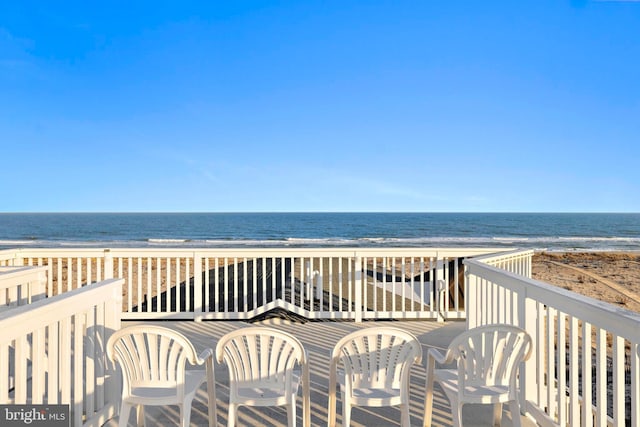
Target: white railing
x,y
53,352
385,283
21,285
585,367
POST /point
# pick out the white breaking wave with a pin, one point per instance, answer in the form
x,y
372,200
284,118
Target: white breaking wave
x,y
605,243
168,241
17,242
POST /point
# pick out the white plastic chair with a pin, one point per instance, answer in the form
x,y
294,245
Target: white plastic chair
x,y
262,364
377,364
488,358
152,360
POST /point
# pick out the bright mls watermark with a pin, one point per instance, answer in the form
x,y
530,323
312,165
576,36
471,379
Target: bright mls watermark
x,y
34,415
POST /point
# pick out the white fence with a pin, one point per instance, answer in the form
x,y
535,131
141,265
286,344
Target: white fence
x,y
390,283
585,367
52,351
21,285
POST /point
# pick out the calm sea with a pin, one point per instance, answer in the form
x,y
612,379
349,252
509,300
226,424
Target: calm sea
x,y
549,231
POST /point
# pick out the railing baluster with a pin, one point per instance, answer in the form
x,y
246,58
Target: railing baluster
x,y
129,285
168,261
65,360
140,294
159,285
340,284
149,292
574,384
178,299
21,375
197,286
59,276
601,377
273,278
245,287
236,296
254,283
207,284
394,308
617,370
635,385
216,293
551,394
78,370
187,284
38,368
561,375
263,274
403,275
319,290
5,374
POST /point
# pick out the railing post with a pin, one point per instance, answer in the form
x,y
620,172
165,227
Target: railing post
x,y
358,289
112,323
197,287
108,264
40,290
17,261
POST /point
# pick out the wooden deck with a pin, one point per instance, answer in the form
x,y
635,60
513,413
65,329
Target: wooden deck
x,y
319,339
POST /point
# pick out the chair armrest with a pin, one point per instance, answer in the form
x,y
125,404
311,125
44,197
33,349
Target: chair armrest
x,y
206,354
439,357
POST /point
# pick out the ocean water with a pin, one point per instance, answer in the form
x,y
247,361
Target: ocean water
x,y
540,231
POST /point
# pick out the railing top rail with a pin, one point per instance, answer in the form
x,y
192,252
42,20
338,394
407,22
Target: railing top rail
x,y
6,254
14,276
11,272
20,320
44,252
622,322
265,251
503,256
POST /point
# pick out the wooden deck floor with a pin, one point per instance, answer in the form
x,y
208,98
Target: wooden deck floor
x,y
319,339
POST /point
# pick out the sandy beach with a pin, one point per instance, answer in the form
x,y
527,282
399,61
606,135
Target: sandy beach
x,y
613,277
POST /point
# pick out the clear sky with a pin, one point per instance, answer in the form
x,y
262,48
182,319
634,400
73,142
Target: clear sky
x,y
228,106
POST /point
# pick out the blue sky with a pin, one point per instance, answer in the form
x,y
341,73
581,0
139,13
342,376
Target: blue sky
x,y
422,106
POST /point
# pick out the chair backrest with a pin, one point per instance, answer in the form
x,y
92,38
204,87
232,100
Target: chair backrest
x,y
490,355
260,356
151,356
377,357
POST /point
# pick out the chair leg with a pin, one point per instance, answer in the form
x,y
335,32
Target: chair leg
x,y
211,407
140,416
125,410
497,414
405,418
346,412
185,413
456,413
514,407
428,409
428,397
233,409
291,414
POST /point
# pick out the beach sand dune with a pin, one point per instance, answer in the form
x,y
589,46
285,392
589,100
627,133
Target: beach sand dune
x,y
613,277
